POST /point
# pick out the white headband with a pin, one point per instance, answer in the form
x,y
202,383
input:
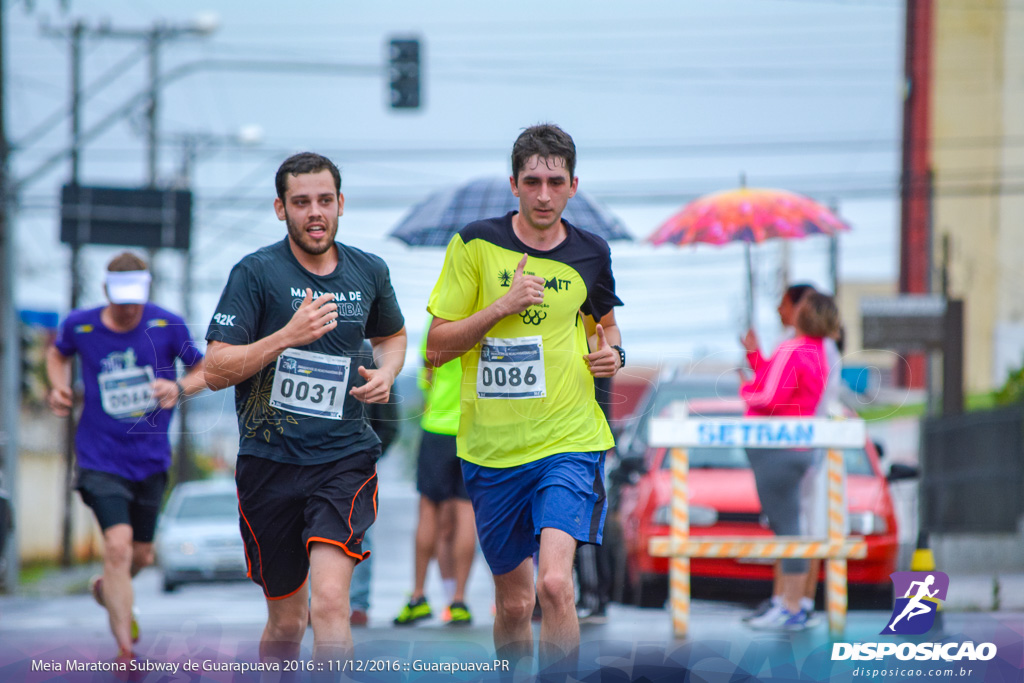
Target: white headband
x,y
128,287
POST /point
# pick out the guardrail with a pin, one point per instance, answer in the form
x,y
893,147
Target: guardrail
x,y
679,431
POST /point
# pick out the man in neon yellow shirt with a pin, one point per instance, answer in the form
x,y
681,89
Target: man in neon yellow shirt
x,y
526,300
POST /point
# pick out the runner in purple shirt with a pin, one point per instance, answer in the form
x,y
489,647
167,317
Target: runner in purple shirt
x,y
127,350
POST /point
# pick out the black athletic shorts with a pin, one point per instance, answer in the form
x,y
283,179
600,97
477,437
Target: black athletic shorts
x,y
284,508
116,500
438,469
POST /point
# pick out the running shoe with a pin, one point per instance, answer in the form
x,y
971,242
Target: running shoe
x,y
591,615
459,614
769,620
780,619
796,622
415,610
760,610
96,588
358,617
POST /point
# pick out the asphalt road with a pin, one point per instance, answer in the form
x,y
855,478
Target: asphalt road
x,y
221,623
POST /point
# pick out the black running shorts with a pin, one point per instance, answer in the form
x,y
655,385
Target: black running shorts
x,y
438,469
286,507
116,500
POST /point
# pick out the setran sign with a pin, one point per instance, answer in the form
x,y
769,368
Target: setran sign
x,y
146,218
756,432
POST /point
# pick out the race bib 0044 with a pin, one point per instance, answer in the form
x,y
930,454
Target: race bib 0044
x,y
127,392
309,383
511,368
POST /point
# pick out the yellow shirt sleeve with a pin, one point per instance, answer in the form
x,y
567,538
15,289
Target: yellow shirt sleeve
x,y
457,292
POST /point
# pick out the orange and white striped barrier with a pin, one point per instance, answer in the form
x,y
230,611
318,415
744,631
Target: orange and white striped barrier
x,y
679,432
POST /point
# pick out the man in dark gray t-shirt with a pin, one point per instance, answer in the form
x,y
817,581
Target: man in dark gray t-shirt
x,y
287,335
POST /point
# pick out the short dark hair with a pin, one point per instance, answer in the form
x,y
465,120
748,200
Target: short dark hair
x,y
126,262
545,140
795,293
304,162
818,315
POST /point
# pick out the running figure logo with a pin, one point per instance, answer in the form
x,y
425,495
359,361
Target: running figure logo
x,y
914,612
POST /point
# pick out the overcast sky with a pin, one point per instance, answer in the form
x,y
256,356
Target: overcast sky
x,y
666,101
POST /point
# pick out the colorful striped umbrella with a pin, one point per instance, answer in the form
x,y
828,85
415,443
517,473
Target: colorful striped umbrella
x,y
748,215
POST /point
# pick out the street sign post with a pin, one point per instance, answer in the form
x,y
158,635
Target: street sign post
x,y
921,322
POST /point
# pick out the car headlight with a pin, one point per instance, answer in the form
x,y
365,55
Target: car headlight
x,y
699,515
867,523
187,548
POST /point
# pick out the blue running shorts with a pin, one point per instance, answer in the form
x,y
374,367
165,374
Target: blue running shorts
x,y
512,504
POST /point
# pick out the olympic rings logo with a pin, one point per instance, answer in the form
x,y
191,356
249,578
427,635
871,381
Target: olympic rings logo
x,y
533,317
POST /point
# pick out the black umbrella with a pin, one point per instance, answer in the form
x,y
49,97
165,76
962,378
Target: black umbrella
x,y
432,222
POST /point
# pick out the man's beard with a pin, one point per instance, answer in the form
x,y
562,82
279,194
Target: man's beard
x,y
304,241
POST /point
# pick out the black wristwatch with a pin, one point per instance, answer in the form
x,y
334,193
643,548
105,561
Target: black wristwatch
x,y
622,355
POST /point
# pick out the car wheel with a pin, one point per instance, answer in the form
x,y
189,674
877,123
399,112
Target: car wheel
x,y
169,585
652,590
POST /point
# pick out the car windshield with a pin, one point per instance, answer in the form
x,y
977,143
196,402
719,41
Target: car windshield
x,y
735,458
208,506
635,440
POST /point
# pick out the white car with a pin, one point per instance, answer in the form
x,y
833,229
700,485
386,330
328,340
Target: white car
x,y
198,537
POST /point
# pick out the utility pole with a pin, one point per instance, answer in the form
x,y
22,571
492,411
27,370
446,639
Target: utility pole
x,y
9,365
183,458
915,275
67,528
152,162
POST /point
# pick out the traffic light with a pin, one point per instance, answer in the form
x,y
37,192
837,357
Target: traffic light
x,y
404,73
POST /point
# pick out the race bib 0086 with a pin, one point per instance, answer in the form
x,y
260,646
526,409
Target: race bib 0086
x,y
511,368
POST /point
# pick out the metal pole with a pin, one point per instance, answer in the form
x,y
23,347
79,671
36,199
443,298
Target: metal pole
x,y
67,525
8,346
184,470
750,285
833,252
153,48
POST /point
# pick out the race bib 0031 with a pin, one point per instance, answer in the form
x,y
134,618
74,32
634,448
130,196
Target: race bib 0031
x,y
309,383
127,392
511,368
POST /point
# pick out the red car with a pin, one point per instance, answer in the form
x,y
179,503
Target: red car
x,y
724,502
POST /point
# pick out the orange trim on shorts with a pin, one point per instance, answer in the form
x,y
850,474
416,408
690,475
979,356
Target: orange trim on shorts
x,y
284,597
352,508
255,540
341,545
375,490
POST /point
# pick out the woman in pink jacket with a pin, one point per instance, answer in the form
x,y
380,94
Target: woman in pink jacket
x,y
790,384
